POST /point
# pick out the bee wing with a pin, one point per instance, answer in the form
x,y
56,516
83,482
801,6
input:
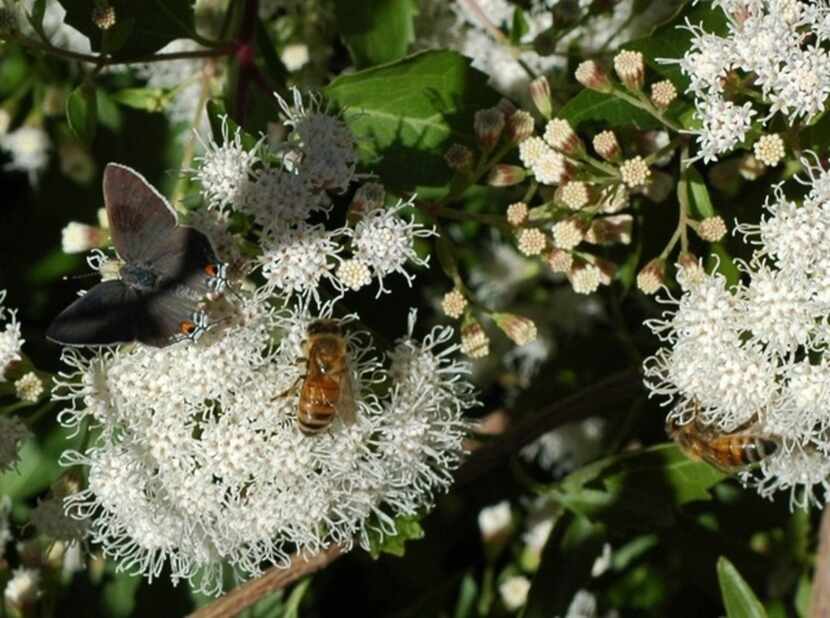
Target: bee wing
x,y
345,406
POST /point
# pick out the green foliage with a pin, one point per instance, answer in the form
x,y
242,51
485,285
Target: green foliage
x,y
738,598
406,529
82,112
146,26
406,114
375,31
590,106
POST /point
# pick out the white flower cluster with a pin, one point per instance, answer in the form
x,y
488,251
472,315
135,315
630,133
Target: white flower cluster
x,y
749,358
779,46
290,203
11,340
28,147
199,461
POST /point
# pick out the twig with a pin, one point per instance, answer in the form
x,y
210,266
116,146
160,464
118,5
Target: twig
x,y
820,597
273,579
611,392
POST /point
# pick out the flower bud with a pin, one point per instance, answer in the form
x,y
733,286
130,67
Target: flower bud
x,y
453,304
635,172
663,94
506,107
560,135
711,229
513,592
503,175
517,214
559,260
519,330
474,341
29,387
568,233
584,277
532,241
769,149
354,274
690,270
575,194
591,75
610,230
103,16
459,158
488,125
79,238
630,69
651,277
607,270
495,522
606,145
540,93
520,126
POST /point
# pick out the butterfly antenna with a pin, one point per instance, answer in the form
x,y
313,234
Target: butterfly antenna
x,y
84,276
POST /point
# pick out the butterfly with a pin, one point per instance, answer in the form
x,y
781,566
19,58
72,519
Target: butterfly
x,y
168,270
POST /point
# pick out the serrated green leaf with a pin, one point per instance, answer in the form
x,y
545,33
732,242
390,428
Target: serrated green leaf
x,y
407,529
82,112
592,106
375,31
738,598
405,115
154,23
147,99
671,41
700,203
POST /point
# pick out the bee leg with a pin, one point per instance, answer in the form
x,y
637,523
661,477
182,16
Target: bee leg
x,y
290,389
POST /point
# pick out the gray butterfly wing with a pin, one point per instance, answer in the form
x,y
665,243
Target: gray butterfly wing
x,y
108,313
140,218
189,261
166,318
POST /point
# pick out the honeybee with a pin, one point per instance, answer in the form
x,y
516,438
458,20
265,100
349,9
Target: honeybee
x,y
326,389
728,452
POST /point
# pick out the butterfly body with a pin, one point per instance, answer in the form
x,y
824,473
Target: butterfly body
x,y
168,270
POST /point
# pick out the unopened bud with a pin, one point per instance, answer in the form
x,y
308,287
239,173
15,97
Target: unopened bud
x,y
519,330
459,158
606,145
711,229
559,260
474,341
635,172
520,126
613,199
531,241
517,214
607,270
488,125
29,387
663,94
354,274
453,304
630,69
575,194
495,522
103,16
540,93
506,107
651,277
690,270
568,233
584,277
79,238
591,75
503,175
610,230
560,135
769,149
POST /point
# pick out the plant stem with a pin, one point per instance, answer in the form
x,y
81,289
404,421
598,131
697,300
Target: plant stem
x,y
275,578
645,105
820,597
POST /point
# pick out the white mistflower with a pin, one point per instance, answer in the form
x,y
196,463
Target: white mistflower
x,y
29,150
513,591
225,169
277,196
385,241
326,148
724,125
23,589
297,258
495,520
11,340
200,462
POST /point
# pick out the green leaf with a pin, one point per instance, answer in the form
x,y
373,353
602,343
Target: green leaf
x,y
82,112
149,25
36,17
119,593
375,31
407,529
592,106
466,597
520,26
738,598
699,201
670,40
14,70
292,606
218,117
721,258
405,115
803,594
147,99
109,114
